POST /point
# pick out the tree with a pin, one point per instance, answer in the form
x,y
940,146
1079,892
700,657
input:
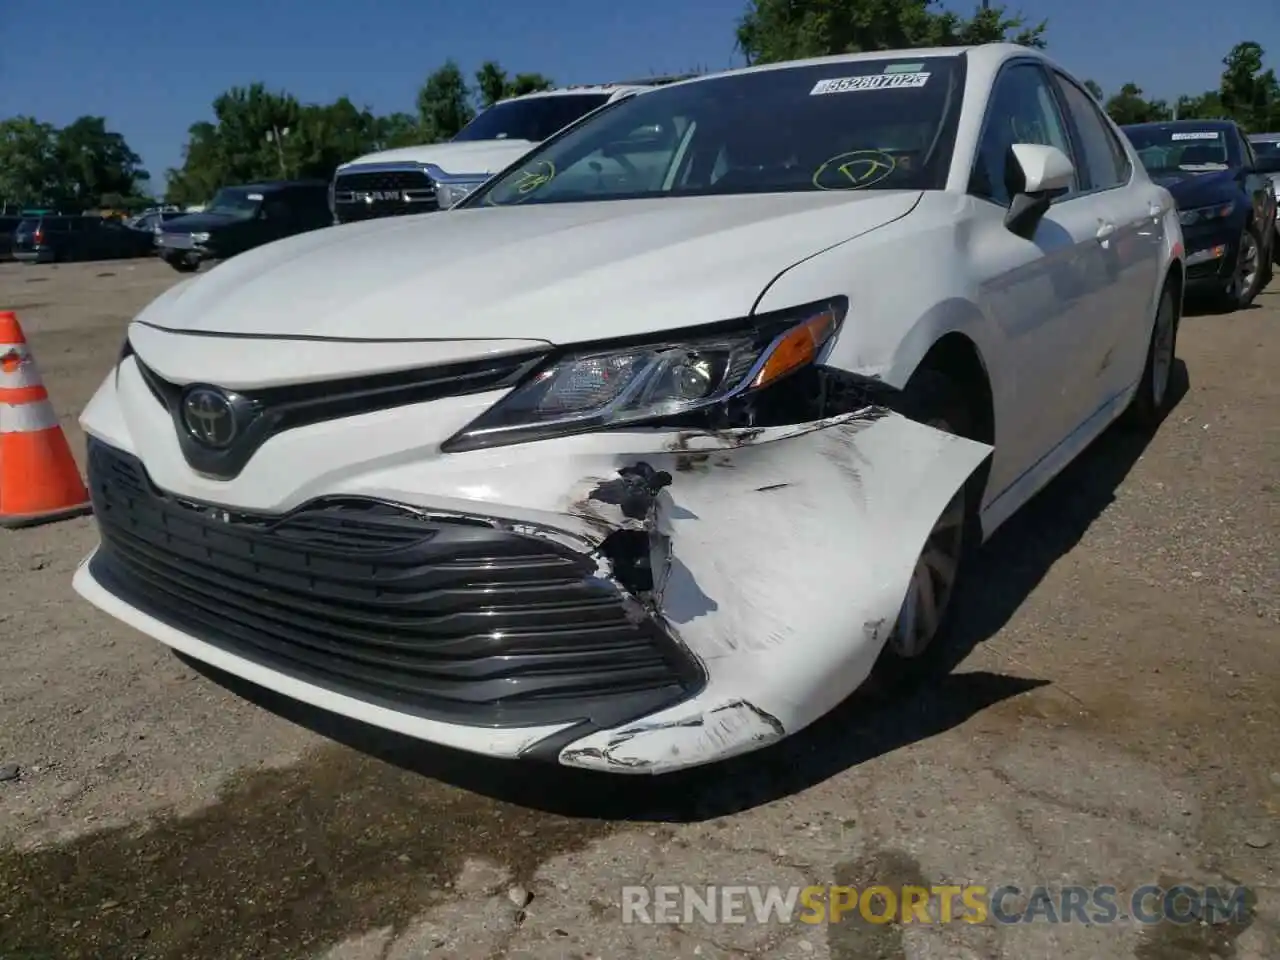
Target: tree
x,y
1129,106
1207,106
493,84
773,30
74,168
1249,94
261,135
396,130
444,104
93,164
27,161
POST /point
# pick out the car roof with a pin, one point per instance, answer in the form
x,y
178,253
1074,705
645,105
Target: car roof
x,y
264,186
603,89
1264,138
988,56
1181,125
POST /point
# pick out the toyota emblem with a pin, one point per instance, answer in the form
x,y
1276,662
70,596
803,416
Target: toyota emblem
x,y
210,417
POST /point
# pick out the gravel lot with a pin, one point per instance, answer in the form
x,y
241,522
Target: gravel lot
x,y
1113,720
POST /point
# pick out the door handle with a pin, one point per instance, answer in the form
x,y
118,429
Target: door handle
x,y
1105,230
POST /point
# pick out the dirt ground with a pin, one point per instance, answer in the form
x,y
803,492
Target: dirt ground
x,y
1113,720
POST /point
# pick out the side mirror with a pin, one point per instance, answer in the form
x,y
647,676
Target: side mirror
x,y
1035,175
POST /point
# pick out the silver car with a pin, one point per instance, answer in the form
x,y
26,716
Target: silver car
x,y
1266,147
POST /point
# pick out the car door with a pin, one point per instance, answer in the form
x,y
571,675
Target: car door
x,y
1129,212
1039,291
1258,188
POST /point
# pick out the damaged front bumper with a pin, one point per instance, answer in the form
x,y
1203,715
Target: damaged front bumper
x,y
634,602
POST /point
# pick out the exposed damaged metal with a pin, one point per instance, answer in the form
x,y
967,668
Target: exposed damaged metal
x,y
755,558
737,723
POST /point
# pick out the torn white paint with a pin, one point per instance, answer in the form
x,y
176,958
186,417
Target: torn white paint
x,y
782,564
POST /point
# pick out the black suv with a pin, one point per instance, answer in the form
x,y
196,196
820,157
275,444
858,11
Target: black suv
x,y
8,226
243,217
1225,202
50,238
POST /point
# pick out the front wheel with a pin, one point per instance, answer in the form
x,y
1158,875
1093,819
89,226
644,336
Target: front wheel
x,y
1151,402
1247,277
183,265
935,400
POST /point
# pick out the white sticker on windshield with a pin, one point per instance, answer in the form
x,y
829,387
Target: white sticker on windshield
x,y
877,81
1202,135
904,68
255,197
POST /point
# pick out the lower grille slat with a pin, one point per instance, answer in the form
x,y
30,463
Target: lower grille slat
x,y
454,620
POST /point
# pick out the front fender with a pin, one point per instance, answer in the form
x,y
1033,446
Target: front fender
x,y
781,558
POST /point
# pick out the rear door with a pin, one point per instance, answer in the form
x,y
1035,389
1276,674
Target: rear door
x,y
1129,214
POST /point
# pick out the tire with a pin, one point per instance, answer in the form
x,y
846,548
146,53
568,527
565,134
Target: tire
x,y
1248,277
183,266
937,400
1152,401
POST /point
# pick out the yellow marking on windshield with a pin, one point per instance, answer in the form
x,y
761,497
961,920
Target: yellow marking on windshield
x,y
855,170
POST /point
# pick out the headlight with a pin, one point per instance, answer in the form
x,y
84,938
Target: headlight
x,y
1218,211
633,384
450,192
200,238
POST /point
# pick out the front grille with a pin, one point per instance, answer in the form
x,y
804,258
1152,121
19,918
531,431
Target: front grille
x,y
456,620
368,195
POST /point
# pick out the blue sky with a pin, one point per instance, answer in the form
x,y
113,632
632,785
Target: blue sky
x,y
152,68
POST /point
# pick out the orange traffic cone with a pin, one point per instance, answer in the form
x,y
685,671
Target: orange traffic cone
x,y
39,481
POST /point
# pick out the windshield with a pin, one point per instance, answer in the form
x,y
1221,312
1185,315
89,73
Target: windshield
x,y
865,125
1266,148
534,119
235,202
1181,148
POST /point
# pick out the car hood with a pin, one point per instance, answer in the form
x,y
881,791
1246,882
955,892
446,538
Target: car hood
x,y
564,273
200,223
1199,189
471,156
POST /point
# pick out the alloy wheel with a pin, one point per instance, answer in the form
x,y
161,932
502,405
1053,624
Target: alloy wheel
x,y
933,579
1247,265
1162,350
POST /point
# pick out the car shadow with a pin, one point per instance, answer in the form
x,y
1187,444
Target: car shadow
x,y
875,720
1198,305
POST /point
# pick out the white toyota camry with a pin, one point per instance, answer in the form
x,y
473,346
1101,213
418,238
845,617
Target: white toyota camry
x,y
649,452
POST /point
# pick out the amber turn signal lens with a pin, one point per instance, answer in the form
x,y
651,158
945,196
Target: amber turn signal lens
x,y
800,346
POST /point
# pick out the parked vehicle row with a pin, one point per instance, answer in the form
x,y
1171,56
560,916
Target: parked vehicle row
x,y
1226,202
657,444
57,238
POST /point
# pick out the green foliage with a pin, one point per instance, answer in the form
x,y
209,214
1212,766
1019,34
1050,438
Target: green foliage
x,y
775,30
79,166
258,134
493,84
1247,94
1129,106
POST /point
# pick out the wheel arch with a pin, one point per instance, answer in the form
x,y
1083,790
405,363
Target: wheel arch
x,y
957,357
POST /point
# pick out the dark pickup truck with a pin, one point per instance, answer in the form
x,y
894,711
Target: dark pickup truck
x,y
240,218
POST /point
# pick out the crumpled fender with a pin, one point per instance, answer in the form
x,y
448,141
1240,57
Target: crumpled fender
x,y
781,558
